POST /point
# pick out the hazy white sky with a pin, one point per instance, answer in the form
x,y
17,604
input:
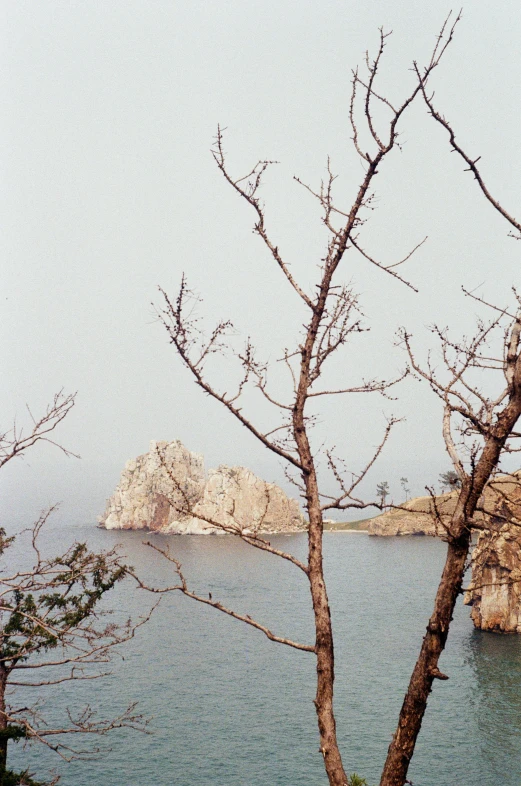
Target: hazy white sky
x,y
108,189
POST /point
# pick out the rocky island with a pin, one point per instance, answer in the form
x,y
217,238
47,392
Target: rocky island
x,y
167,490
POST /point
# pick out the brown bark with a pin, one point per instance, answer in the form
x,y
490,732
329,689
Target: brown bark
x,y
323,628
325,656
426,669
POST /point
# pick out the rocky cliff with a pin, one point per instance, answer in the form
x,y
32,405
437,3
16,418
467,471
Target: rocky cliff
x,y
235,497
166,490
431,515
495,588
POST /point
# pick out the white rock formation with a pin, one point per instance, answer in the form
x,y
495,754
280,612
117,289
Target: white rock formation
x,y
236,498
156,489
166,490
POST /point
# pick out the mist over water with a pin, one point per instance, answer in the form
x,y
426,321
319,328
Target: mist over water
x,y
231,708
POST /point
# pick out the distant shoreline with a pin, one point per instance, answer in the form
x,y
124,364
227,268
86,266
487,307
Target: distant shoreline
x,y
347,526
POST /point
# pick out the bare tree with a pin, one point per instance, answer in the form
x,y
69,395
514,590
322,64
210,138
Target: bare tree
x,y
54,628
478,428
332,318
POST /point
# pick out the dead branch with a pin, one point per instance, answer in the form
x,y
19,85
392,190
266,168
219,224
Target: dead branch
x,y
471,163
84,723
388,268
183,588
173,320
339,502
15,442
250,194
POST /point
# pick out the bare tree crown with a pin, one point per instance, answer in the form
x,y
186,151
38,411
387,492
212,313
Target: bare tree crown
x,y
332,317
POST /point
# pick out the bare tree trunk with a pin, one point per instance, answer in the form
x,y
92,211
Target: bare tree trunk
x,y
426,669
323,628
324,648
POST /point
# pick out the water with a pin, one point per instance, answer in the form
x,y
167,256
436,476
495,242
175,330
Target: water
x,y
231,708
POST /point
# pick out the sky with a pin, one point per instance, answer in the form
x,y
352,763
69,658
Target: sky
x,y
108,190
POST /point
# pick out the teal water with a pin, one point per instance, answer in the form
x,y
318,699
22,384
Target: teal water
x,y
231,708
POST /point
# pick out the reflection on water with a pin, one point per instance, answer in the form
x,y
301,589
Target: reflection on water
x,y
496,664
233,709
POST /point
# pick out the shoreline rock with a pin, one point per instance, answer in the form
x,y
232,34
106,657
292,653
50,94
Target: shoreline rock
x,y
166,490
495,588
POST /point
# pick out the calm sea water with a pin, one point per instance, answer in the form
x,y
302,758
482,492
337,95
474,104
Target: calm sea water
x,y
231,708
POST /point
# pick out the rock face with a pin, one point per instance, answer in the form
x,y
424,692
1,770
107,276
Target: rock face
x,y
156,489
166,490
235,497
428,516
495,589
